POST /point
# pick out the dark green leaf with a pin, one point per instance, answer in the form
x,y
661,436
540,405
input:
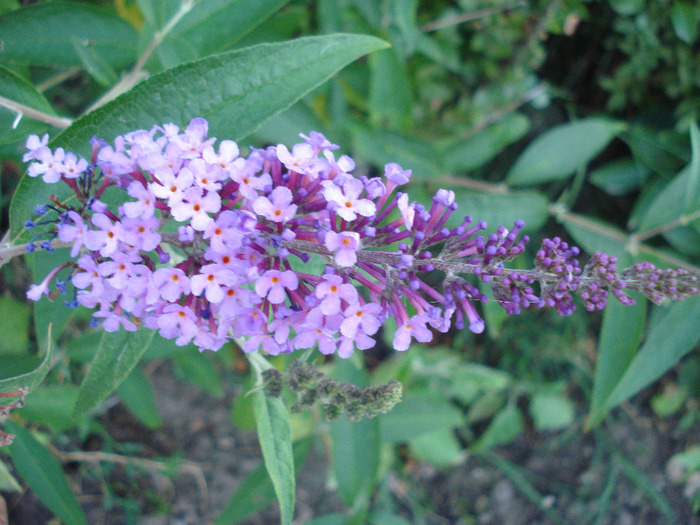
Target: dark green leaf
x,y
692,196
561,151
620,336
43,473
236,91
390,98
484,145
198,368
216,25
118,353
14,325
94,64
668,205
51,405
137,394
42,35
659,352
275,436
30,380
593,235
256,491
354,446
619,177
551,410
439,447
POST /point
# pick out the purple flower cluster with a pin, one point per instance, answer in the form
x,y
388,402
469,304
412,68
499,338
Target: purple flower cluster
x,y
211,245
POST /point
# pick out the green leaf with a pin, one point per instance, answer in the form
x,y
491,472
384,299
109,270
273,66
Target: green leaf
x,y
439,448
16,88
477,150
97,67
118,353
593,235
8,483
390,97
51,405
620,336
659,352
419,414
692,195
137,394
42,35
380,147
14,325
669,204
275,436
235,91
564,149
619,177
506,425
216,25
256,490
30,380
685,18
627,7
355,446
198,368
551,410
501,208
43,473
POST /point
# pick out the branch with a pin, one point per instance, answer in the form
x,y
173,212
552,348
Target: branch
x,y
21,110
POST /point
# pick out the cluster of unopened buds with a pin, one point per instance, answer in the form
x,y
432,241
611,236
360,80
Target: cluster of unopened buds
x,y
208,245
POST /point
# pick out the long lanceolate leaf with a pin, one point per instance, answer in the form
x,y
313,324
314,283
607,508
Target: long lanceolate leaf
x,y
31,379
275,436
236,91
117,355
44,475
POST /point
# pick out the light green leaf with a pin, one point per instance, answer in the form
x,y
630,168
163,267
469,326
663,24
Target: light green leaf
x,y
504,428
551,410
659,352
14,325
501,208
355,446
419,414
685,18
30,380
275,436
8,483
692,195
136,393
619,177
235,91
256,491
42,35
118,353
477,150
16,88
620,336
439,448
561,151
593,235
43,473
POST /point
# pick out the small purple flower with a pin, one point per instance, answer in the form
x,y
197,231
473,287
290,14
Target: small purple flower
x,y
414,327
210,280
365,316
272,285
332,291
345,246
346,201
278,208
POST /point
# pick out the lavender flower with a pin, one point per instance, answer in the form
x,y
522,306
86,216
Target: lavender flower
x,y
247,226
